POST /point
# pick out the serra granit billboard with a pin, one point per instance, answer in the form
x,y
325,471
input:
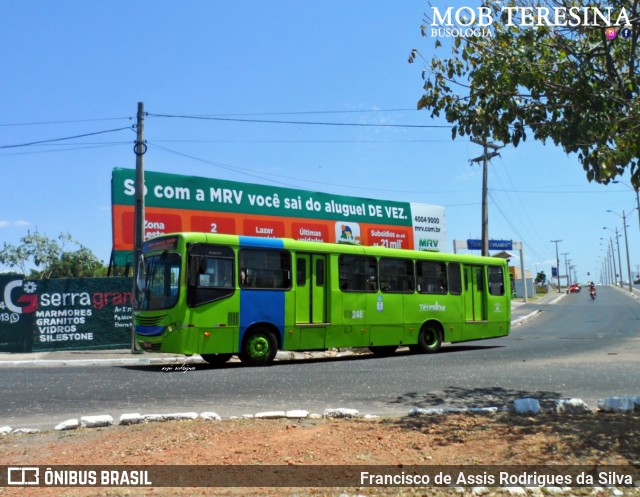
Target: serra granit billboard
x,y
69,313
188,203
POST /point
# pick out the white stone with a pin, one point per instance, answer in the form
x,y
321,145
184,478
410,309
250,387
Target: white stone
x,y
131,418
69,424
176,416
210,416
5,430
554,490
571,406
150,418
516,490
486,410
96,421
25,431
341,412
421,411
297,414
526,406
270,415
616,404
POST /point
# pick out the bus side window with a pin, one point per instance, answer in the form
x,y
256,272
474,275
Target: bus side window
x,y
265,269
432,276
496,280
301,272
358,273
396,275
455,278
319,272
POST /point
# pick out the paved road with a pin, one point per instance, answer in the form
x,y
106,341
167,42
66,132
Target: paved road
x,y
573,348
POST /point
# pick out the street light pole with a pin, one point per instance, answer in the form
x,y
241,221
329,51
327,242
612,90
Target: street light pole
x,y
566,267
613,262
626,243
557,263
619,260
138,236
485,191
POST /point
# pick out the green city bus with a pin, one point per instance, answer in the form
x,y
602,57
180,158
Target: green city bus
x,y
219,295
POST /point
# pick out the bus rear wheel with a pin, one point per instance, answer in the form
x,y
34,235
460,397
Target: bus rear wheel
x,y
216,359
259,348
429,339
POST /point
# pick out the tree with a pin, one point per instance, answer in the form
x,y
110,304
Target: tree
x,y
541,278
50,258
539,67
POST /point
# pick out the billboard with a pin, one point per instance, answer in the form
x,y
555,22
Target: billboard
x,y
66,313
188,203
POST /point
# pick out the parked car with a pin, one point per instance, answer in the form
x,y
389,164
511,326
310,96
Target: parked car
x,y
574,288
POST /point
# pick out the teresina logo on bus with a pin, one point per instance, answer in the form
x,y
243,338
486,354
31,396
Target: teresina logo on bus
x,y
433,307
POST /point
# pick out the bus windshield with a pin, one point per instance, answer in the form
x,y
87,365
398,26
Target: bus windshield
x,y
158,282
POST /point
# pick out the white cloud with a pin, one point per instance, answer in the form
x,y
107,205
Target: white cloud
x,y
14,224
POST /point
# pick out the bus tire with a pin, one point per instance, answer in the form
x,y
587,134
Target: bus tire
x,y
429,339
259,347
383,350
216,359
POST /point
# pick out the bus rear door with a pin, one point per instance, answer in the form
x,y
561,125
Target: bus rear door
x,y
474,294
311,299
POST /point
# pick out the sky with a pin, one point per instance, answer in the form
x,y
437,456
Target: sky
x,y
79,69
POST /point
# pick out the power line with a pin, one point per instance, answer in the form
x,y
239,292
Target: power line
x,y
301,141
74,121
270,176
65,147
51,140
352,111
309,123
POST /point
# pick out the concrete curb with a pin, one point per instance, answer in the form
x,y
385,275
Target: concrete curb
x,y
525,406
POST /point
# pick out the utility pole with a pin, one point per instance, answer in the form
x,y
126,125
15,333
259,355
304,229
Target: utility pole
x,y
139,150
485,207
557,263
626,243
619,259
613,262
566,266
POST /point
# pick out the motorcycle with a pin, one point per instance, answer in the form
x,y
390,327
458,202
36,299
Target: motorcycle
x,y
592,293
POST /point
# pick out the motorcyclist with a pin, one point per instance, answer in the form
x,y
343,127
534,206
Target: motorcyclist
x,y
592,289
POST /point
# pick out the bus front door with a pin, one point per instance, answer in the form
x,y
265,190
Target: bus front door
x,y
474,293
311,299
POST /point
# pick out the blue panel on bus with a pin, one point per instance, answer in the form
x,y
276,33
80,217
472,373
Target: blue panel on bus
x,y
261,306
249,241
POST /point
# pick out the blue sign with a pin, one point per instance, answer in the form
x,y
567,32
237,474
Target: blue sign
x,y
493,244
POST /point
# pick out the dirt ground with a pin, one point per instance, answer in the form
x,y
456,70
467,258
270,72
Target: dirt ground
x,y
451,439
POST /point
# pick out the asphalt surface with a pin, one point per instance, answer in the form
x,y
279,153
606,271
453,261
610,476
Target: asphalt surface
x,y
520,312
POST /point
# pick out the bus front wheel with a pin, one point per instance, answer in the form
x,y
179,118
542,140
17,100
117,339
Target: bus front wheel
x,y
429,339
259,348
